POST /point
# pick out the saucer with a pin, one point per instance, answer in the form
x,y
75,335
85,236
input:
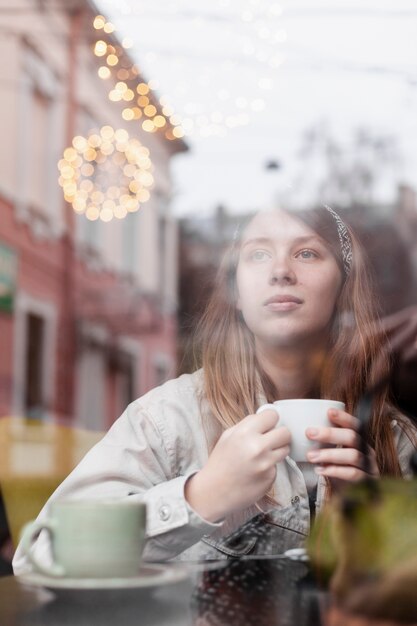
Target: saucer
x,y
148,576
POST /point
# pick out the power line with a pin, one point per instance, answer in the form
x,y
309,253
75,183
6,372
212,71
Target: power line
x,y
308,62
247,63
302,11
350,11
294,12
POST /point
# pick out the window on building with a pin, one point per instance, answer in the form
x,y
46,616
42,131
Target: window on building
x,y
126,382
162,370
130,242
162,237
39,140
39,148
89,232
34,358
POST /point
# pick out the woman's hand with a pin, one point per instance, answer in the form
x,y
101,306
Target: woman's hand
x,y
401,331
345,462
241,468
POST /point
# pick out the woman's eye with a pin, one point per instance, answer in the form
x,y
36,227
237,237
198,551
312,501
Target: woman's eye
x,y
307,254
259,255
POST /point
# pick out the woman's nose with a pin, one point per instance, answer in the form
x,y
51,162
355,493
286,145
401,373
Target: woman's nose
x,y
282,273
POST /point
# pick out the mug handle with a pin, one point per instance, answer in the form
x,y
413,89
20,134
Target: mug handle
x,y
29,533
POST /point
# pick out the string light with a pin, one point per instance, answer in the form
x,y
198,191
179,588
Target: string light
x,y
255,45
144,102
142,89
108,27
100,48
106,174
112,60
99,22
104,72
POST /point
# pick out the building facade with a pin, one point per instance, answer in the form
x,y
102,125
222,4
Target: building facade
x,y
87,307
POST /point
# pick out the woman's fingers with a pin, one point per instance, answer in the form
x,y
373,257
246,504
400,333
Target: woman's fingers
x,y
341,472
279,454
405,340
401,330
334,436
392,323
344,456
277,438
343,433
264,421
343,419
338,456
346,461
399,333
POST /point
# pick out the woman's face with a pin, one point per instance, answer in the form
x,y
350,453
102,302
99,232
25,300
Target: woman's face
x,y
288,281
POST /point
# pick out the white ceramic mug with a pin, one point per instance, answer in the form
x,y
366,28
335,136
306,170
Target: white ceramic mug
x,y
298,415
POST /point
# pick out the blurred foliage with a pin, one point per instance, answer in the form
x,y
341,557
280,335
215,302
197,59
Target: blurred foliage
x,y
364,544
347,173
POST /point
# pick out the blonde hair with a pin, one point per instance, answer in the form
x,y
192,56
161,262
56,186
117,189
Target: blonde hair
x,y
233,378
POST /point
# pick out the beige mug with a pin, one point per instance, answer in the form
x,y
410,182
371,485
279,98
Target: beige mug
x,y
90,539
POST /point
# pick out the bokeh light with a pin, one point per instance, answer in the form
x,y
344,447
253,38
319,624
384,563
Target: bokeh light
x,y
241,67
127,169
144,101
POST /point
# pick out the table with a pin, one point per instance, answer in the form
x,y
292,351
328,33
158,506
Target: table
x,y
265,592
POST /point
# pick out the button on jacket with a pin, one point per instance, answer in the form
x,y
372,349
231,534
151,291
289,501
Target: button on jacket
x,y
149,453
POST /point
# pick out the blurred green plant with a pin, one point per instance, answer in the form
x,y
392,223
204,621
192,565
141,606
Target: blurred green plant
x,y
364,545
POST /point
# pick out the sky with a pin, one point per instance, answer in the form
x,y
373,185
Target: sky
x,y
248,77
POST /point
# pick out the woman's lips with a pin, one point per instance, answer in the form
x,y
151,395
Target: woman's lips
x,y
283,303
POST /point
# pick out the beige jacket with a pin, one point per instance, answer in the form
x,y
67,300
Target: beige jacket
x,y
149,453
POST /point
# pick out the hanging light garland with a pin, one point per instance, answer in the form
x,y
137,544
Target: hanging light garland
x,y
231,78
141,103
106,174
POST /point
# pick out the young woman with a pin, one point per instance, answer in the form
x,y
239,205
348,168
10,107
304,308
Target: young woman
x,y
291,316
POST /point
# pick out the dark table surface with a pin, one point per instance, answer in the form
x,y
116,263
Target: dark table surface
x,y
265,592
